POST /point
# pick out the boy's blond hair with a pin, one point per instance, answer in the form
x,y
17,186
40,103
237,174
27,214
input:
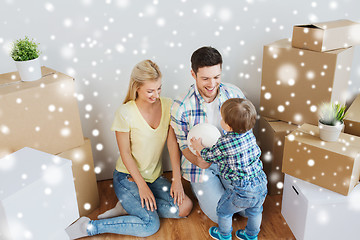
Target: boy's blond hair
x,y
239,114
144,71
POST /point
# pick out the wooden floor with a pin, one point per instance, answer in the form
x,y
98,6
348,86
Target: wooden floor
x,y
196,226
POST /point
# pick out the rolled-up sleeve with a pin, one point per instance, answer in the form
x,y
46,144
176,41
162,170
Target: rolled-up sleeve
x,y
179,124
212,154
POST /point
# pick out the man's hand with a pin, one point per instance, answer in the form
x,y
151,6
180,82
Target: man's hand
x,y
201,163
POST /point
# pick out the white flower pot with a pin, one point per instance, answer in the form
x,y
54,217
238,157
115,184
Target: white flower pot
x,y
330,133
29,70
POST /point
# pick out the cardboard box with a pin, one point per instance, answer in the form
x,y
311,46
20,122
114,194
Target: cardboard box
x,y
271,140
352,119
331,165
314,213
37,196
295,82
326,36
42,114
84,177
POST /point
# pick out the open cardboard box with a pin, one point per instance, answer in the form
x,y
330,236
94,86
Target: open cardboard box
x,y
331,165
295,81
326,36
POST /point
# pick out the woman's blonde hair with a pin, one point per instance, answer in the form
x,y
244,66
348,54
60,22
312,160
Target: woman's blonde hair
x,y
145,70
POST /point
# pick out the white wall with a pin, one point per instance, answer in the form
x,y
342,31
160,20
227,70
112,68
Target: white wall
x,y
99,41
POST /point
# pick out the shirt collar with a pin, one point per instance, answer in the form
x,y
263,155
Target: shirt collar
x,y
219,96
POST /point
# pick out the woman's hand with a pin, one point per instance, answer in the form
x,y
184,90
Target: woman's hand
x,y
177,192
147,198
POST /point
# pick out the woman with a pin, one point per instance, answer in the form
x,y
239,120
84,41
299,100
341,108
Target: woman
x,y
142,126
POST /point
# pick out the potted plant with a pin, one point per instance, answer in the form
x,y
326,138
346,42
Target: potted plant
x,y
331,121
25,53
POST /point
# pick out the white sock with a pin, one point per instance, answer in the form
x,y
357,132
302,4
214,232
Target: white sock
x,y
78,228
118,210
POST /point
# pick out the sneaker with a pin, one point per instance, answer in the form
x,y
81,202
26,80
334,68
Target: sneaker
x,y
214,233
241,234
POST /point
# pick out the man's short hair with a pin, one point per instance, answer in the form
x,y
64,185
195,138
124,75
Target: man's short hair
x,y
239,114
205,57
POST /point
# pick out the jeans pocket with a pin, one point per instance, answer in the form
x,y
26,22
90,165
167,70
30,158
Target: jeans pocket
x,y
244,199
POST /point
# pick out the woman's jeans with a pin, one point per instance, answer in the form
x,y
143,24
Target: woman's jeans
x,y
140,221
244,195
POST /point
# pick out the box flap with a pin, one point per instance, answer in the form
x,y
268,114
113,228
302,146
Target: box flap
x,y
347,145
281,126
353,113
334,24
306,26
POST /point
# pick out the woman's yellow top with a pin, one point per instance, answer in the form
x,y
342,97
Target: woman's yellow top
x,y
146,143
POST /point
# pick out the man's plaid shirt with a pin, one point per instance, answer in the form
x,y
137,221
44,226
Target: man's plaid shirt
x,y
189,111
237,156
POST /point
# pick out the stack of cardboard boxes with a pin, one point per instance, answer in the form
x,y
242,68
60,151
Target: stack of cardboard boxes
x,y
44,115
297,77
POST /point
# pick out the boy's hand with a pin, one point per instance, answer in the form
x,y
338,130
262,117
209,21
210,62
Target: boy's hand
x,y
196,145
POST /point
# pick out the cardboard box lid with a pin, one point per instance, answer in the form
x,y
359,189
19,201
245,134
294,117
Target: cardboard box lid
x,y
10,82
27,166
353,113
285,43
347,145
12,77
330,25
316,194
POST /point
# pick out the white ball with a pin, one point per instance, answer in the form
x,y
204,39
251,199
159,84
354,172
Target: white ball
x,y
208,133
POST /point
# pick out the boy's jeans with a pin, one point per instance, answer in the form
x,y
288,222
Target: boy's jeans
x,y
209,192
140,221
248,195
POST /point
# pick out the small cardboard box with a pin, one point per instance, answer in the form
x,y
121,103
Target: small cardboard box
x,y
271,138
37,196
326,36
42,114
295,82
331,165
314,213
84,177
352,119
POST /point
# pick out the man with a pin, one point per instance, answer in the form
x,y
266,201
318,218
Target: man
x,y
202,104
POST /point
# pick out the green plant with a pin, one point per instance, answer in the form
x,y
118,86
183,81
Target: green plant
x,y
24,50
332,113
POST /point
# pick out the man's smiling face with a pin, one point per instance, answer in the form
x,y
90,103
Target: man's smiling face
x,y
208,80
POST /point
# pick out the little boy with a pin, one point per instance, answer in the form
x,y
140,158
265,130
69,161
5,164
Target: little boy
x,y
238,158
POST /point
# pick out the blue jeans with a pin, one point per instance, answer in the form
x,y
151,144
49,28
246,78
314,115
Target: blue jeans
x,y
140,221
247,195
209,192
